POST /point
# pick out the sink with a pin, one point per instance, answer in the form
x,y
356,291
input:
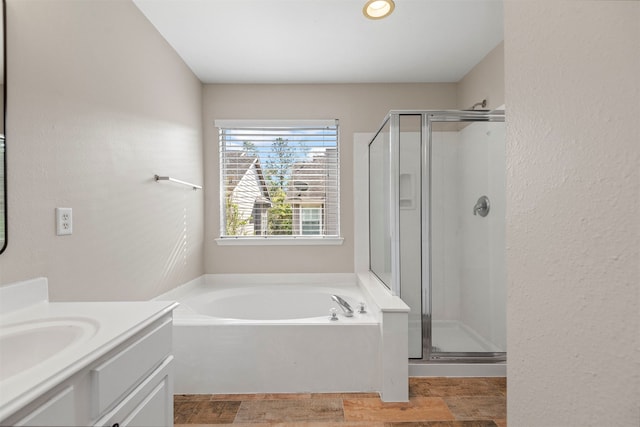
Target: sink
x,y
26,344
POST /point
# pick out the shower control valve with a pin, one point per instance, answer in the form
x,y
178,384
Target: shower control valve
x,y
482,206
334,314
362,308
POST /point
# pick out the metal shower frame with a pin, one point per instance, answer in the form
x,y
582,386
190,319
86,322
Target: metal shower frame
x,y
427,118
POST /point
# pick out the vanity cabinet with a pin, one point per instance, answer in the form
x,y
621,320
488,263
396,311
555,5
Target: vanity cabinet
x,y
131,385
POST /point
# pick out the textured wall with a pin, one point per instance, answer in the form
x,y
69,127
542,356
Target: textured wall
x,y
573,234
98,103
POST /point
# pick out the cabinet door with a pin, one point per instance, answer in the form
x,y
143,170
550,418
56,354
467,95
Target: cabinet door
x,y
149,404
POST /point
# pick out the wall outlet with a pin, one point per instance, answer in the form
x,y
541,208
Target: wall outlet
x,y
64,221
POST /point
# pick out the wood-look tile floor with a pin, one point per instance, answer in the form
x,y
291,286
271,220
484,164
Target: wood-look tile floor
x,y
433,402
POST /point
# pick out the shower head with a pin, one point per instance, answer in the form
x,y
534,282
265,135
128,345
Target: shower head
x,y
482,104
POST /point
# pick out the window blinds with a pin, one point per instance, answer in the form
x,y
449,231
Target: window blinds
x,y
279,178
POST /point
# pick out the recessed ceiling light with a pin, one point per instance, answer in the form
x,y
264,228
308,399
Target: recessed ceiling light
x,y
378,9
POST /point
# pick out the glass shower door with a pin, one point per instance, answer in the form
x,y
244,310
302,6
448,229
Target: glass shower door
x,y
380,215
466,217
410,138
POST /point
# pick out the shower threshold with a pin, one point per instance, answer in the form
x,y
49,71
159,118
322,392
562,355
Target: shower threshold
x,y
427,368
459,351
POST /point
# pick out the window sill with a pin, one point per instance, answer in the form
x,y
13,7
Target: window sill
x,y
279,241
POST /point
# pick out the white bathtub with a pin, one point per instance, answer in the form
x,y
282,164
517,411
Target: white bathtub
x,y
269,302
272,334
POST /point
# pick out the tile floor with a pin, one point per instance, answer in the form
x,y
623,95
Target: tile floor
x,y
433,402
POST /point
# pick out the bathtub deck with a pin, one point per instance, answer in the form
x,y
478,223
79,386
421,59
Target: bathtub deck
x,y
441,402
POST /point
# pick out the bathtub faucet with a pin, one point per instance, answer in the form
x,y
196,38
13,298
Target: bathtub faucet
x,y
348,311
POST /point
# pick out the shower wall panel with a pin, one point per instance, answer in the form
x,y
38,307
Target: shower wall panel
x,y
446,238
467,259
481,163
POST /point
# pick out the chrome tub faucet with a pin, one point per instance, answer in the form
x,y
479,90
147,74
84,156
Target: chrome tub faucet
x,y
348,311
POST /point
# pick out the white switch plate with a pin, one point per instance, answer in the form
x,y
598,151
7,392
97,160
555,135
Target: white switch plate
x,y
64,221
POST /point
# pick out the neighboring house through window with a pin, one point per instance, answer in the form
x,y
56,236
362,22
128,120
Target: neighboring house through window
x,y
279,179
311,221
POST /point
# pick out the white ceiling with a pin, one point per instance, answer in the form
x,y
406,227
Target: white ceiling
x,y
327,41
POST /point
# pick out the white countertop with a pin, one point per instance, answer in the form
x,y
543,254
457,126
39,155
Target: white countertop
x,y
108,324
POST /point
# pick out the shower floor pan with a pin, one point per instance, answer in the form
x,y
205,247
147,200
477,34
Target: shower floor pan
x,y
456,337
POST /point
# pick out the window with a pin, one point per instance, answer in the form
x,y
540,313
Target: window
x,y
311,221
279,179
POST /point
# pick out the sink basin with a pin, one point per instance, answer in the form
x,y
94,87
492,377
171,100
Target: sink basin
x,y
27,344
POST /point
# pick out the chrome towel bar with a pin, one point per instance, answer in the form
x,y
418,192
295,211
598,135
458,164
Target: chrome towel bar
x,y
177,181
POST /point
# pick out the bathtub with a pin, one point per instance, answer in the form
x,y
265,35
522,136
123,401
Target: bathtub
x,y
273,334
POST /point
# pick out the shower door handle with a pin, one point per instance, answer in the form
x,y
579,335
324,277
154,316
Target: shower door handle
x,y
482,206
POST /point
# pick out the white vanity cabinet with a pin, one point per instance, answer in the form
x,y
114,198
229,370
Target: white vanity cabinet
x,y
150,404
130,385
141,373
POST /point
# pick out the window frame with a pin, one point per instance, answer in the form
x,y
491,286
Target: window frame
x,y
298,239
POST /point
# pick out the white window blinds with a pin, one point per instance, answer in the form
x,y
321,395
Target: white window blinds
x,y
279,178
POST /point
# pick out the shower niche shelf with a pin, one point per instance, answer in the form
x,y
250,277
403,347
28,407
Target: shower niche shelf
x,y
407,193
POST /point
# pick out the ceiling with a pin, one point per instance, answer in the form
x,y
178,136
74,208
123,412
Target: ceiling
x,y
327,41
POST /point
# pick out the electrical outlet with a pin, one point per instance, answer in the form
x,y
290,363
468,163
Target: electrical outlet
x,y
64,221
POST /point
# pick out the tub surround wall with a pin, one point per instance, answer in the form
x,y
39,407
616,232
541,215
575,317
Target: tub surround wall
x,y
99,103
394,336
275,358
573,234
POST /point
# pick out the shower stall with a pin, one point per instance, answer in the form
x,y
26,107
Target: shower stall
x,y
436,229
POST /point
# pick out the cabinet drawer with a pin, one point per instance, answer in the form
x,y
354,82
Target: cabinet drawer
x,y
149,404
115,377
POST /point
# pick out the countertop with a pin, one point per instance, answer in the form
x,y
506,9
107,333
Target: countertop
x,y
107,325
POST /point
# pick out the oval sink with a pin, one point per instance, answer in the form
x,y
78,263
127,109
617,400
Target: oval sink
x,y
27,344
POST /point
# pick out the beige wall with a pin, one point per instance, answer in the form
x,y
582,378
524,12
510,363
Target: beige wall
x,y
97,115
573,209
98,103
484,81
359,107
